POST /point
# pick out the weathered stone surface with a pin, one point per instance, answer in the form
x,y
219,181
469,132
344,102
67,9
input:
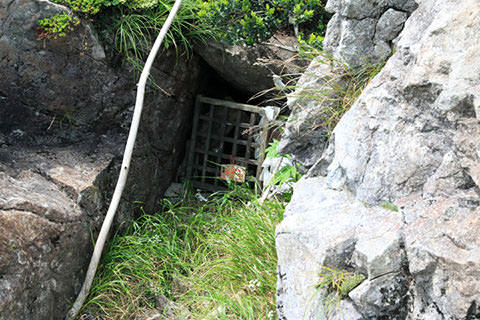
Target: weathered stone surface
x,y
324,227
50,201
305,136
249,68
63,124
411,140
362,30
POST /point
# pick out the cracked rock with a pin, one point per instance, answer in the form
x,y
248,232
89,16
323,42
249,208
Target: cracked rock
x,y
362,30
411,140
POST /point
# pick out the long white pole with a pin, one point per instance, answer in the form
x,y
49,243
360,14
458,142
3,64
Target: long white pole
x,y
127,156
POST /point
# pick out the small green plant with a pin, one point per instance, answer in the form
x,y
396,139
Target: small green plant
x,y
57,26
314,40
339,281
286,174
82,6
389,206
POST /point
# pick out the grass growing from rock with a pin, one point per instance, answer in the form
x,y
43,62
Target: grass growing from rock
x,y
214,260
335,91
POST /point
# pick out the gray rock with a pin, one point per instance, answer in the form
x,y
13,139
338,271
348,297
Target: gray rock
x,y
49,203
412,140
305,135
63,121
377,169
250,68
345,311
323,227
390,24
362,30
384,297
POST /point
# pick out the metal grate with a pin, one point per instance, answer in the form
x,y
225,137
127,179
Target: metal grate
x,y
225,132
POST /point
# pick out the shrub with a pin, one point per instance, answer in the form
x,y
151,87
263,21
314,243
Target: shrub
x,y
83,6
57,26
251,21
128,27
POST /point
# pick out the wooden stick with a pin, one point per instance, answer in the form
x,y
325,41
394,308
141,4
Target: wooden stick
x,y
127,156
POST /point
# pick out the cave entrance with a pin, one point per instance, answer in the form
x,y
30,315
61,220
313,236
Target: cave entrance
x,y
228,142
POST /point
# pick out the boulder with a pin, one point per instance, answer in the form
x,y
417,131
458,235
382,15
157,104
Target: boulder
x,y
249,69
395,196
50,201
362,31
64,116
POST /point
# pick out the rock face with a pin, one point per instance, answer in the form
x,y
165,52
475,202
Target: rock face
x,y
49,202
305,135
64,115
360,32
363,30
249,68
395,197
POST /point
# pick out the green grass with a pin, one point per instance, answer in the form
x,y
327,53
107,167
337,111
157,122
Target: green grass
x,y
216,259
131,33
339,91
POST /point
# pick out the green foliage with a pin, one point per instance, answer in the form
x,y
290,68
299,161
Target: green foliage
x,y
139,4
339,281
251,21
83,6
389,206
57,26
315,40
286,174
128,28
271,150
216,258
131,33
350,283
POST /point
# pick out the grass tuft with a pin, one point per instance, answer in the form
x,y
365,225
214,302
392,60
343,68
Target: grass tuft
x,y
215,259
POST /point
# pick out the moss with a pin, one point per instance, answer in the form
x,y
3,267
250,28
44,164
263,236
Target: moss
x,y
350,283
389,206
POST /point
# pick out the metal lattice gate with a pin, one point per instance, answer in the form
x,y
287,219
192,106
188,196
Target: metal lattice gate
x,y
225,133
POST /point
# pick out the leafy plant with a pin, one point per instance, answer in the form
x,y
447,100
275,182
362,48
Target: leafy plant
x,y
339,281
57,26
287,173
251,21
83,6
